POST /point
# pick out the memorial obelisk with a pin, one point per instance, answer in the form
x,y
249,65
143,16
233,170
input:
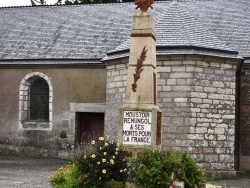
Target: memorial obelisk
x,y
140,117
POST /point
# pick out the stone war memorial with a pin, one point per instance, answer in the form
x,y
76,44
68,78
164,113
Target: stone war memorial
x,y
140,123
161,74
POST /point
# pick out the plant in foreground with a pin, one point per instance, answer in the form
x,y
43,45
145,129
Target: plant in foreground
x,y
102,164
95,165
154,168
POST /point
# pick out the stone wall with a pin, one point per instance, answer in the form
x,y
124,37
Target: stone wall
x,y
198,102
197,99
70,85
115,93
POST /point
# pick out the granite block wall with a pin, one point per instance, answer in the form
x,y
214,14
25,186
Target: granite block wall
x,y
198,103
197,99
115,94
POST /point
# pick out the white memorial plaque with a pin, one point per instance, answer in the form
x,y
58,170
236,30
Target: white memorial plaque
x,y
137,127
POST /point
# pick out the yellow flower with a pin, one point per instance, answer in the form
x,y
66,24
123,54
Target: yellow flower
x,y
104,171
116,152
101,138
93,156
125,170
112,161
121,170
106,144
100,148
93,142
103,160
113,157
105,153
98,163
117,149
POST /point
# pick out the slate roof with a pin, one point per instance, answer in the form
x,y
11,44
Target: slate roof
x,y
88,32
64,32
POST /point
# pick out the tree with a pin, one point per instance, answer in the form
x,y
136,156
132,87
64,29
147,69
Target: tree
x,y
43,2
70,2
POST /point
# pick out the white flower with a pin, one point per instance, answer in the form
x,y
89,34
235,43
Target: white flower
x,y
103,160
112,161
93,156
93,142
101,138
105,153
104,171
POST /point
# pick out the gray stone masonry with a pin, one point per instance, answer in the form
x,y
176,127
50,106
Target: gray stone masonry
x,y
115,93
198,103
197,99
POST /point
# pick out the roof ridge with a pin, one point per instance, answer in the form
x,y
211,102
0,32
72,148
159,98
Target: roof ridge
x,y
57,5
176,27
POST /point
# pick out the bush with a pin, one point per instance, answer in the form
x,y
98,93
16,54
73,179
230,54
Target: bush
x,y
154,168
94,166
102,164
194,175
64,178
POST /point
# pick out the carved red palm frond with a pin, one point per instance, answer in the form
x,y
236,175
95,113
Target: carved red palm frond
x,y
139,68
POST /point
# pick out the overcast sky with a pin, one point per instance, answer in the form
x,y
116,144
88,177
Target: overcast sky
x,y
6,3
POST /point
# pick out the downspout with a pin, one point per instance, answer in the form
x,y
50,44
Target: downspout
x,y
238,75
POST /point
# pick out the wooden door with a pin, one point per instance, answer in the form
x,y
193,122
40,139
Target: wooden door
x,y
89,126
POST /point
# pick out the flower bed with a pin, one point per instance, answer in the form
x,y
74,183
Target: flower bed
x,y
103,164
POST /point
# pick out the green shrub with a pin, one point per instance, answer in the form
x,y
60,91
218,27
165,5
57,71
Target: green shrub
x,y
194,175
101,162
64,178
154,168
102,165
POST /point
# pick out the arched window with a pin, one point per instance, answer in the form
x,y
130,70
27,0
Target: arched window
x,y
39,100
35,105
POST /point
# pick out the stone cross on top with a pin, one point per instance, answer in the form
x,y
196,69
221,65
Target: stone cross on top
x,y
144,4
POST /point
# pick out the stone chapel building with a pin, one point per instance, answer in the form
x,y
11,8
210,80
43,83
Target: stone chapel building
x,y
63,73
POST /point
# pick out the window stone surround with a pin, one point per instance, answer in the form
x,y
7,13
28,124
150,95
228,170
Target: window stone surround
x,y
24,123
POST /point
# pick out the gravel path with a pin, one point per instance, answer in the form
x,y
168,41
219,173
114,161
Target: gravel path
x,y
16,172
